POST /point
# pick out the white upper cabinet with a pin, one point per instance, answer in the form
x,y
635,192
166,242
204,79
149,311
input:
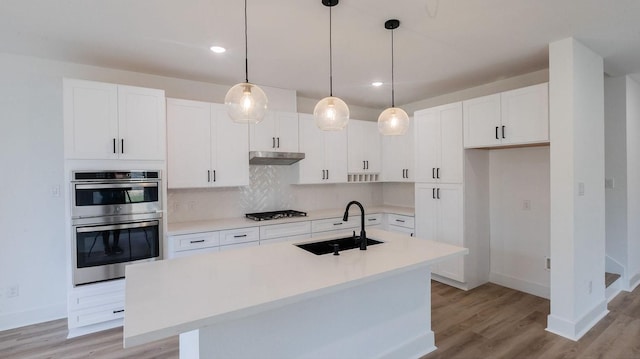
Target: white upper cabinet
x,y
277,132
516,117
364,145
397,156
325,153
438,144
109,121
206,148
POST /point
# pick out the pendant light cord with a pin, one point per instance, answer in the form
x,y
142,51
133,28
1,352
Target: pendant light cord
x,y
393,90
246,46
330,58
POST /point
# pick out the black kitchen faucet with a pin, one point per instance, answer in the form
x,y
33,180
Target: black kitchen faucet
x,y
363,234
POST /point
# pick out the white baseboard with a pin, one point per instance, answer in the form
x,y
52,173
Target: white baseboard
x,y
574,330
451,282
520,284
633,282
40,315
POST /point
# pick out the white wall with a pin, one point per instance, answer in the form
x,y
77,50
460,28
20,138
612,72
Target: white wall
x,y
633,181
520,233
616,171
576,108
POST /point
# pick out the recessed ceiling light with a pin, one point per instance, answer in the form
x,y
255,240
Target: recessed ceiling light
x,y
376,84
218,49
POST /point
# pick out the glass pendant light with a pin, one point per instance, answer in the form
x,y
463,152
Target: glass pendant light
x,y
246,102
393,121
331,113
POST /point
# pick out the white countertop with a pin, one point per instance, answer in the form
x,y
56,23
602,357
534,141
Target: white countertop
x,y
241,222
169,297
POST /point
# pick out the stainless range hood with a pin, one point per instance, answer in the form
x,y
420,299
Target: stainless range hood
x,y
274,158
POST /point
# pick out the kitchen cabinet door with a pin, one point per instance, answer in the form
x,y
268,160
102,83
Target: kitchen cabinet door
x,y
439,152
439,214
90,119
278,132
325,153
364,146
525,115
482,121
397,156
109,121
510,118
141,123
206,148
230,150
189,143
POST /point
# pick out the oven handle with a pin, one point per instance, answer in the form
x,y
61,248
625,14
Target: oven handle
x,y
117,226
116,185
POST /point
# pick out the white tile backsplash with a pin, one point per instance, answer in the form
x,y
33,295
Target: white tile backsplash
x,y
270,188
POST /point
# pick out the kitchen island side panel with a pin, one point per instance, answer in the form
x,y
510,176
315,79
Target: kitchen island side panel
x,y
386,318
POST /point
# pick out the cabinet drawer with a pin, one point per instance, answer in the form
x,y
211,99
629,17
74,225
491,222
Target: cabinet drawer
x,y
191,252
400,220
399,229
285,230
95,315
95,295
372,219
333,224
194,241
238,245
242,235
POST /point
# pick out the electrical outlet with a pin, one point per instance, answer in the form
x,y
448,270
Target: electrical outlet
x,y
526,205
590,286
580,188
13,291
609,183
55,191
547,263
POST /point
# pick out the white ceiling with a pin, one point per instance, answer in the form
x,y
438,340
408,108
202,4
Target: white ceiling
x,y
440,47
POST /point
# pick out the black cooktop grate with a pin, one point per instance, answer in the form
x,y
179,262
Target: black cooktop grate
x,y
265,216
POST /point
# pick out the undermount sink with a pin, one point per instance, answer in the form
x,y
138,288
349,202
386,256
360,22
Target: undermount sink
x,y
328,246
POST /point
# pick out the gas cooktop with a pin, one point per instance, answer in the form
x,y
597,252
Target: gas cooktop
x,y
265,216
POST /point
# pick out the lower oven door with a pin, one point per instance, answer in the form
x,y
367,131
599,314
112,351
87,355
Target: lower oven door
x,y
101,251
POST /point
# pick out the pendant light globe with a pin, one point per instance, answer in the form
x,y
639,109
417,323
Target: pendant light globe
x,y
246,102
331,113
393,121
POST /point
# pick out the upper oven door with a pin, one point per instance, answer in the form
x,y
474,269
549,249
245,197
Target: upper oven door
x,y
105,199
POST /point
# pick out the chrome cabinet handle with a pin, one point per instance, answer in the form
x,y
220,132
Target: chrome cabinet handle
x,y
278,146
438,191
273,142
497,138
208,175
438,172
327,174
433,193
503,132
118,311
114,145
122,145
433,172
214,175
198,241
338,224
240,236
400,220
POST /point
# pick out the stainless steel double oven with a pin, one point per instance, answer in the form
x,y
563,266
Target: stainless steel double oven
x,y
116,220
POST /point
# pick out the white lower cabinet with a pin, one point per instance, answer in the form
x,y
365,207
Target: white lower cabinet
x,y
187,244
400,223
285,231
439,217
95,307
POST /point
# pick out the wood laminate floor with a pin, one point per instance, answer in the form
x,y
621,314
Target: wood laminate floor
x,y
487,322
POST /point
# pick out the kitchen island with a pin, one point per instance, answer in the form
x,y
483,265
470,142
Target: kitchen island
x,y
279,301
